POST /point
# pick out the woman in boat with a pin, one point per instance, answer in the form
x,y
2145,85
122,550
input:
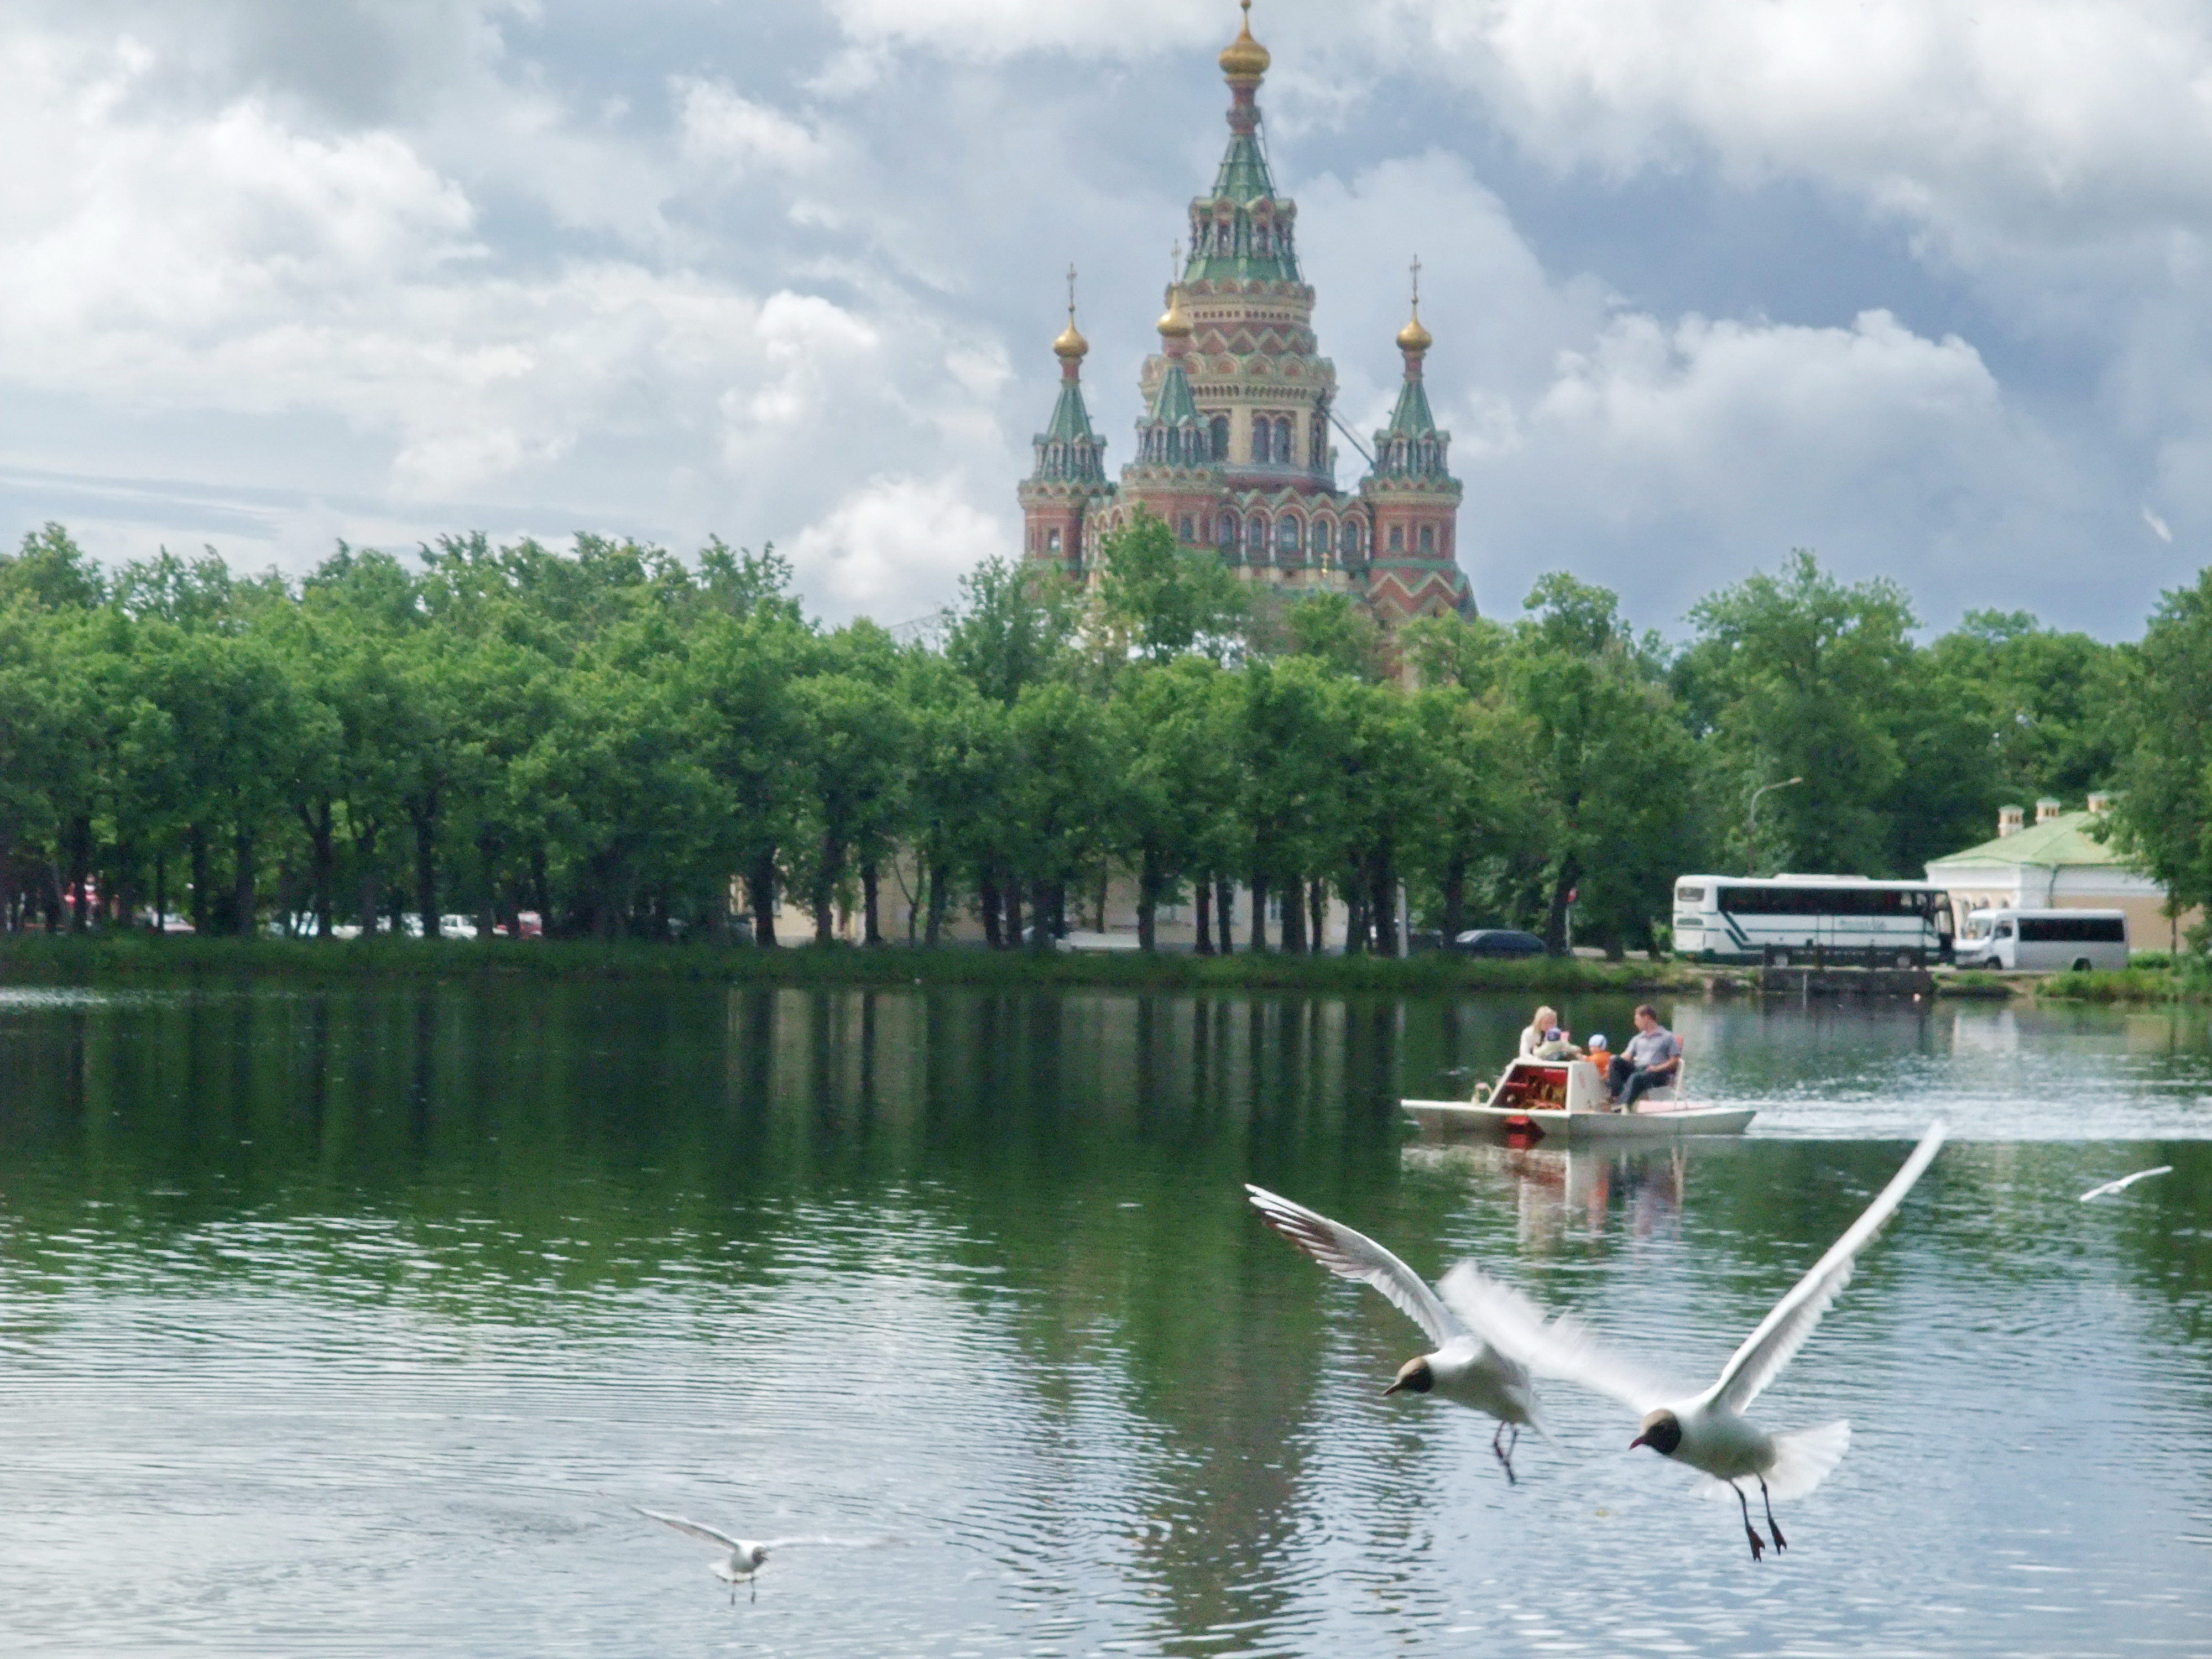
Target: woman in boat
x,y
1540,1027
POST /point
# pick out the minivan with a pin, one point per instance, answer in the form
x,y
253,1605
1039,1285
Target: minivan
x,y
2048,940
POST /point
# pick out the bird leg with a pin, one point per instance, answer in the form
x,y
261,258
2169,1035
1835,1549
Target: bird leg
x,y
1504,1453
1780,1544
1758,1544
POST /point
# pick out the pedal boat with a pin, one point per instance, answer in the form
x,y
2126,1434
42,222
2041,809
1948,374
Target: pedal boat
x,y
1565,1100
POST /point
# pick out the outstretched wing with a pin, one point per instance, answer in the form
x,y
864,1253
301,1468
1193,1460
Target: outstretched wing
x,y
1562,1347
1783,1330
2125,1181
884,1541
1351,1254
707,1533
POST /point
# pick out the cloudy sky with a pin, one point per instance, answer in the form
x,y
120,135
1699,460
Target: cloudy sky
x,y
1925,285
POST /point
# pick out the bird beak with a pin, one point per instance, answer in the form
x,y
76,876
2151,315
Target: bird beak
x,y
1395,1388
1640,1440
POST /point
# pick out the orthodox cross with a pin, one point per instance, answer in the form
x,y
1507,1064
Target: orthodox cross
x,y
1417,280
1071,292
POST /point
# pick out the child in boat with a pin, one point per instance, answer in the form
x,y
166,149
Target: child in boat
x,y
1555,1046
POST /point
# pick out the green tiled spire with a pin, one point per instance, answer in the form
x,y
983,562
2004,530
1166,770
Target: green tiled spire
x,y
1244,230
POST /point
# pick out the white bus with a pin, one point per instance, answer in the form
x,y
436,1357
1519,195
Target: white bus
x,y
1799,918
2052,940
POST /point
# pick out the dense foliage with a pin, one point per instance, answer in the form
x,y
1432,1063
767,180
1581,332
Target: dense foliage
x,y
630,744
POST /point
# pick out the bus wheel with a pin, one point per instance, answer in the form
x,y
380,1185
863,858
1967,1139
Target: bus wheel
x,y
1782,958
1905,959
2081,964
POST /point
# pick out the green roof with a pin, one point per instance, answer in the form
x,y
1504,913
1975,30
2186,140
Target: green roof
x,y
1242,182
2063,840
1070,419
1411,418
1174,405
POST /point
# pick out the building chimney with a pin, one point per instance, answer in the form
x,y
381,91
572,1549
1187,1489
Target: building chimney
x,y
2099,801
2007,821
2046,809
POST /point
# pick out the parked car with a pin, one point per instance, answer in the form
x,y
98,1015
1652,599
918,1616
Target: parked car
x,y
1496,942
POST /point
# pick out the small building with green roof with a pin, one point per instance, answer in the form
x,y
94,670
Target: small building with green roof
x,y
2057,864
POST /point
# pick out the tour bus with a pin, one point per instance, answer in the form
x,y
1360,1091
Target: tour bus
x,y
1785,919
2048,939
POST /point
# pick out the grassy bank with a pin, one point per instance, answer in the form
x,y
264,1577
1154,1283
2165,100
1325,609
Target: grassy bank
x,y
37,957
2150,977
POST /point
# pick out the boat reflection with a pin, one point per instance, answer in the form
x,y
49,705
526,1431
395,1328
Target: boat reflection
x,y
1561,1196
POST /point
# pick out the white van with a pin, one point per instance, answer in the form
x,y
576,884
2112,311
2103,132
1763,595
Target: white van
x,y
2052,941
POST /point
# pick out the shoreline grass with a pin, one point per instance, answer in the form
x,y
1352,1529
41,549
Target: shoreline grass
x,y
39,956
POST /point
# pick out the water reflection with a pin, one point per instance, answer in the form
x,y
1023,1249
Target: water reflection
x,y
362,1314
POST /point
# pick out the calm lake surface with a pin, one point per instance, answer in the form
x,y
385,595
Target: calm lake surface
x,y
352,1320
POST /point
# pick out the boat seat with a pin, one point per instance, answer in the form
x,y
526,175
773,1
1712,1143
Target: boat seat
x,y
1673,1089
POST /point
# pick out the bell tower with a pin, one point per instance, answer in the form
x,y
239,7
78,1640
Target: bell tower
x,y
1069,477
1413,500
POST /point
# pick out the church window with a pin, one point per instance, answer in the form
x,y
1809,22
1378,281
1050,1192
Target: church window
x,y
1229,530
1051,541
1283,440
1256,532
1218,427
1428,538
1317,542
1188,530
1286,535
1347,541
1319,441
1397,538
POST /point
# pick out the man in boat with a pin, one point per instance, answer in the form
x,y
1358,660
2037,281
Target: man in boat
x,y
1650,1061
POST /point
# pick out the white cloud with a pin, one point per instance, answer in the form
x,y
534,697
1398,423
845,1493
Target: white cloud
x,y
894,549
723,130
2038,122
2159,527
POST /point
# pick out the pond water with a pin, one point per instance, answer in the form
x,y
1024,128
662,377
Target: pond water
x,y
354,1321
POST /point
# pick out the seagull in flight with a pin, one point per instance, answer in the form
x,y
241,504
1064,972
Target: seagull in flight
x,y
744,1556
2125,1181
1709,1431
1464,1365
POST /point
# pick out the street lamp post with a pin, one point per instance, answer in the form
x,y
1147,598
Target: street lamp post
x,y
1751,823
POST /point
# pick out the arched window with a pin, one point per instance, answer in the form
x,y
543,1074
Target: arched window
x,y
1051,541
1256,537
1218,429
1317,540
1228,530
1283,440
1286,534
1319,450
1189,530
1347,540
1397,538
1429,539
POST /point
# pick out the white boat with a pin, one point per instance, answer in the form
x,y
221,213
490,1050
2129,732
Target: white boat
x,y
1566,1099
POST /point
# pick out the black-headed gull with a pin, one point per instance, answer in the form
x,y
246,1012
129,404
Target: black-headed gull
x,y
2125,1181
1709,1430
745,1556
1465,1366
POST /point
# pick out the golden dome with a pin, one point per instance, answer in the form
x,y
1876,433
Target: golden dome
x,y
1173,324
1071,344
1413,337
1245,58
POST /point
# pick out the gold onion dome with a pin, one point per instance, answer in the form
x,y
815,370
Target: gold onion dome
x,y
1071,345
1173,324
1244,56
1413,337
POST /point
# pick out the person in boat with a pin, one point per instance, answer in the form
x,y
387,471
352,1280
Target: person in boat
x,y
1539,1026
1556,1045
1650,1061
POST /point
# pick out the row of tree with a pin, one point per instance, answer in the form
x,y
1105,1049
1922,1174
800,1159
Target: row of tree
x,y
631,745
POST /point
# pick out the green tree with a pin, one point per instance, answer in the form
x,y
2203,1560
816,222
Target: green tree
x,y
1159,599
2163,818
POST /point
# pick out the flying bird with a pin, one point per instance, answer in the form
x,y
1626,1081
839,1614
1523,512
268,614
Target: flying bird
x,y
1709,1430
2125,1181
1464,1366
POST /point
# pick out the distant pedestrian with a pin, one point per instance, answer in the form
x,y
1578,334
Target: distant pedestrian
x,y
1651,1062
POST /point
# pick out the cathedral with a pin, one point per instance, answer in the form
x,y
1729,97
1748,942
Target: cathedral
x,y
1233,451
